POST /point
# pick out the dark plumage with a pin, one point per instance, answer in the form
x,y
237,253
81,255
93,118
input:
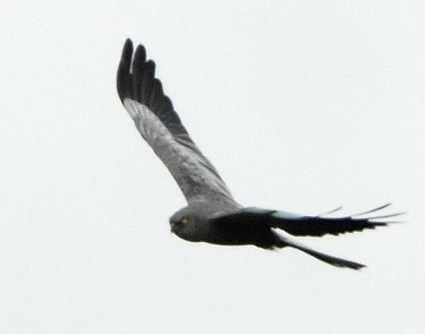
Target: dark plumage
x,y
212,214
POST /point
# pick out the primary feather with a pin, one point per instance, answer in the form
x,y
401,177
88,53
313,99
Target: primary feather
x,y
158,123
300,225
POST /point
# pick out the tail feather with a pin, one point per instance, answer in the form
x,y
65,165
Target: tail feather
x,y
332,260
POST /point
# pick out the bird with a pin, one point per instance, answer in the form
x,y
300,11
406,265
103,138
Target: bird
x,y
212,214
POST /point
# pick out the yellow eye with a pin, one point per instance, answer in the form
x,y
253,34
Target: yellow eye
x,y
185,221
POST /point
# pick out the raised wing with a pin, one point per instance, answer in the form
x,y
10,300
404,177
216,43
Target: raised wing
x,y
152,111
299,225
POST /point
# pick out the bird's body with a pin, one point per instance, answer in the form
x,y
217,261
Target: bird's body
x,y
212,214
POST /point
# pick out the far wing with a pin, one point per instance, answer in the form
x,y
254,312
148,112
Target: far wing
x,y
152,111
300,225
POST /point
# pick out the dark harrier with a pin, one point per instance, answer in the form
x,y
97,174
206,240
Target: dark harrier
x,y
212,214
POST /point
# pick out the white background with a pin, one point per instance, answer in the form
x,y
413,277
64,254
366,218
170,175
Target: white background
x,y
301,107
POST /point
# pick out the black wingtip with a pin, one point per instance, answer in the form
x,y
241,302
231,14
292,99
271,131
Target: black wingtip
x,y
123,74
140,54
372,210
128,48
136,81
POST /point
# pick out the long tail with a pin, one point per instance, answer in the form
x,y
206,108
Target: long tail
x,y
335,261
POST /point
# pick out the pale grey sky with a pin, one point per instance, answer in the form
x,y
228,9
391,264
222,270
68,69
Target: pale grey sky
x,y
301,107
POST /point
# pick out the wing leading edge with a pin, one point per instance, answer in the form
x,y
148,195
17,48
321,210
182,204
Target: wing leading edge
x,y
158,123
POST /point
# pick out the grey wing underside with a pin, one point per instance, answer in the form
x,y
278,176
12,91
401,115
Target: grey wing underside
x,y
152,111
300,225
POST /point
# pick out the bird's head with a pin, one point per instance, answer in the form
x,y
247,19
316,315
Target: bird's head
x,y
192,222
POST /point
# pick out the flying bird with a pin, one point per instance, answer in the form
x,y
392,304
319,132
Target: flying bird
x,y
212,215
